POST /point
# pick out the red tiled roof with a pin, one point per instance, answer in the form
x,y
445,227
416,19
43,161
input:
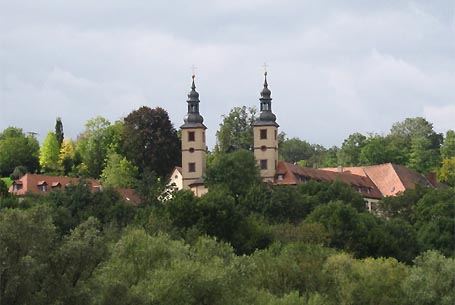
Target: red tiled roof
x,y
32,182
390,179
129,195
294,174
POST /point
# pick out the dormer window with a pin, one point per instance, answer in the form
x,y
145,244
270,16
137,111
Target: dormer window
x,y
42,186
280,177
56,185
17,186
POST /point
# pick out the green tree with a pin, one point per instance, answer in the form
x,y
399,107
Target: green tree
x,y
3,189
150,141
237,171
367,281
377,150
423,158
94,144
59,131
74,262
403,135
448,148
17,149
236,130
349,153
294,150
18,172
67,156
348,229
119,172
430,280
447,171
26,239
330,157
435,221
49,153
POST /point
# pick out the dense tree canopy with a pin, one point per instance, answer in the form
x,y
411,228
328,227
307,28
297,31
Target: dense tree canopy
x,y
49,153
17,149
236,130
237,171
150,141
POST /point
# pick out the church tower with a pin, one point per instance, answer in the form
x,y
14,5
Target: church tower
x,y
193,141
266,136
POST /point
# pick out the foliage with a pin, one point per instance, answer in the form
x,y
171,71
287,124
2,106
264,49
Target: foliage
x,y
17,149
236,130
3,189
347,228
59,131
74,262
349,153
402,205
67,155
448,147
431,280
435,221
27,238
377,150
367,281
447,171
150,141
237,171
309,233
18,172
294,150
119,172
49,153
423,158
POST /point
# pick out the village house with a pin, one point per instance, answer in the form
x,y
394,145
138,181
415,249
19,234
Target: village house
x,y
42,184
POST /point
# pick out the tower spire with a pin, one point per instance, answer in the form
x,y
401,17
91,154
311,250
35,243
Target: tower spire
x,y
266,116
193,117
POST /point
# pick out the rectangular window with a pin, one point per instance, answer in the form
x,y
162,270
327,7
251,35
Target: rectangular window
x,y
263,134
275,134
191,136
192,167
263,164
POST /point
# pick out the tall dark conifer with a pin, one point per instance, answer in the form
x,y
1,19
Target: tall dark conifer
x,y
59,131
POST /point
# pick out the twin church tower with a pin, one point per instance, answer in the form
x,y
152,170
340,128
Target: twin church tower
x,y
194,144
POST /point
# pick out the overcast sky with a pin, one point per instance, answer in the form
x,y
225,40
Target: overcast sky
x,y
335,67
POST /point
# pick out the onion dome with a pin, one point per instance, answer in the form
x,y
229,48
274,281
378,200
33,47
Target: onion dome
x,y
193,118
266,117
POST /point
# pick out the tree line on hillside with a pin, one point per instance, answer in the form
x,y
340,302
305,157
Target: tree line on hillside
x,y
412,143
247,243
145,143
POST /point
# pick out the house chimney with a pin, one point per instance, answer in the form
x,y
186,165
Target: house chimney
x,y
431,177
340,168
